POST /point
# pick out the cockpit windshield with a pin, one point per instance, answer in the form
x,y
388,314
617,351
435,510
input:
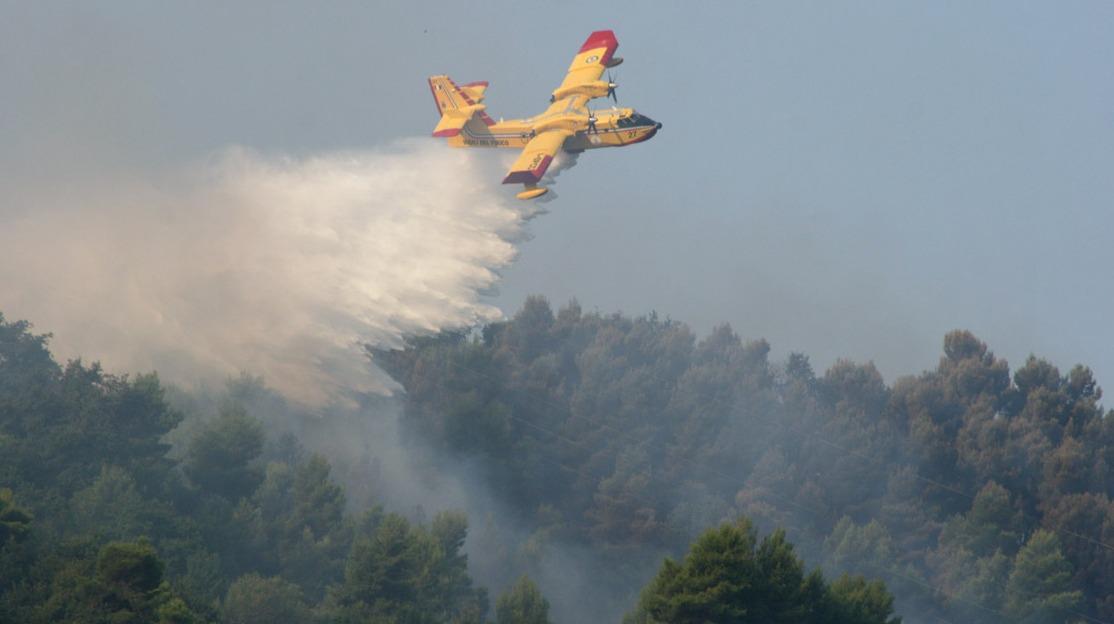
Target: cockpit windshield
x,y
635,120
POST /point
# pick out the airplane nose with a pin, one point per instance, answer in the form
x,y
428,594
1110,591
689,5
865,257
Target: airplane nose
x,y
659,125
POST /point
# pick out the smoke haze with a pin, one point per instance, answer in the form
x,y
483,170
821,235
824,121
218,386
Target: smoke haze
x,y
277,266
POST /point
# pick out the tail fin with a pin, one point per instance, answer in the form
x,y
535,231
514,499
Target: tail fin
x,y
457,105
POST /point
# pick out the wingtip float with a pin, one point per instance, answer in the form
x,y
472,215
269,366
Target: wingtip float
x,y
568,124
532,191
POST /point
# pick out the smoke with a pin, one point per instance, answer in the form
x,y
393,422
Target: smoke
x,y
378,463
246,262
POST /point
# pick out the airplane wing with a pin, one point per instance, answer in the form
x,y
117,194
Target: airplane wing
x,y
593,57
536,156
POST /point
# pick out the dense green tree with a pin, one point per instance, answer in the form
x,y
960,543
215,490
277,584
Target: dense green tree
x,y
449,529
296,520
14,522
1084,524
716,582
15,526
221,457
993,523
768,486
522,604
854,600
112,506
134,567
728,576
400,572
530,335
623,506
124,584
253,599
1067,469
1039,588
855,548
56,433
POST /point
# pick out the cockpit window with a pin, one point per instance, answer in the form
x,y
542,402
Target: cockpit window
x,y
635,120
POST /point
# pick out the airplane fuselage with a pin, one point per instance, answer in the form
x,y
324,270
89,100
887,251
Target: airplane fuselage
x,y
612,128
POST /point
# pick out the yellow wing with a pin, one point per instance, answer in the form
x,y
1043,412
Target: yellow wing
x,y
593,57
536,156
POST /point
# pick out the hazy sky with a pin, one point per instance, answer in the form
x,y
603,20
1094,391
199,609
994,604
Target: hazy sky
x,y
845,179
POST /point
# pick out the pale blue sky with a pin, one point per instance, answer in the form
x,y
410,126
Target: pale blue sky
x,y
845,179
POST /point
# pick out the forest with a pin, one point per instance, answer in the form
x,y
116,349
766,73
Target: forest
x,y
629,470
975,494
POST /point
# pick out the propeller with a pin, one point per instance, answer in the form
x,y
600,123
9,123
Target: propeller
x,y
611,87
592,119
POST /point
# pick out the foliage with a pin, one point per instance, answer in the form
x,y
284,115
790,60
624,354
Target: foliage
x,y
522,604
14,522
639,435
1039,588
854,600
101,523
220,457
400,572
973,493
124,584
729,576
253,599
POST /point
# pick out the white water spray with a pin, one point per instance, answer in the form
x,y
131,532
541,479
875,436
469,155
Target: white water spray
x,y
280,267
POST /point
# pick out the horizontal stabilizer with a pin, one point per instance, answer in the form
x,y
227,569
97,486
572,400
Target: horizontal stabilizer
x,y
457,105
454,119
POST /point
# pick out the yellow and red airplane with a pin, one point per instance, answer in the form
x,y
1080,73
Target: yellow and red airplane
x,y
567,124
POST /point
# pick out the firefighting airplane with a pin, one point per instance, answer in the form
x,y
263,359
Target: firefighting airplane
x,y
568,123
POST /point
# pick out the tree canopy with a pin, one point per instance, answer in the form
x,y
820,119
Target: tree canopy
x,y
968,492
730,576
639,435
100,522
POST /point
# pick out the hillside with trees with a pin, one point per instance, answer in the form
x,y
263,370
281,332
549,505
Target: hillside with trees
x,y
100,523
118,508
976,493
682,478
